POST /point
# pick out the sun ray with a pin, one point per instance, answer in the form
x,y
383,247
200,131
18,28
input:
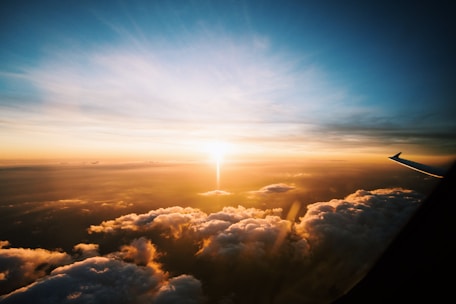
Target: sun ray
x,y
217,150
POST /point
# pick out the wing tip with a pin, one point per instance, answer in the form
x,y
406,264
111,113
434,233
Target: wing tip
x,y
396,155
435,172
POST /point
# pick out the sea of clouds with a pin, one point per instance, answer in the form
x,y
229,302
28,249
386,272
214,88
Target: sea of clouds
x,y
236,255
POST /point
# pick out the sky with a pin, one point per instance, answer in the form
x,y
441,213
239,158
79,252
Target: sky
x,y
162,80
214,151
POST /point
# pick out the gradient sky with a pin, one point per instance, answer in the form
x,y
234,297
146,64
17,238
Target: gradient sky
x,y
162,79
160,85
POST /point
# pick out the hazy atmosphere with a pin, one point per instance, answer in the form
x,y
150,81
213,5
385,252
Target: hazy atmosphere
x,y
214,152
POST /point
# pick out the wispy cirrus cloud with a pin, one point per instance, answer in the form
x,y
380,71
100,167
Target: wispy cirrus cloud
x,y
211,85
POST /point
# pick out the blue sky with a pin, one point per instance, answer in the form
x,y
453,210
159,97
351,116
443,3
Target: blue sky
x,y
164,78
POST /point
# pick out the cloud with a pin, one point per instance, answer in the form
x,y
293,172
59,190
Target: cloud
x,y
141,252
86,250
21,266
380,211
337,240
225,70
273,188
175,219
128,276
346,235
4,244
252,237
215,193
135,222
94,280
370,129
182,289
237,253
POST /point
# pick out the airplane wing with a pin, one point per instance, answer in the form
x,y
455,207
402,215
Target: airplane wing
x,y
435,172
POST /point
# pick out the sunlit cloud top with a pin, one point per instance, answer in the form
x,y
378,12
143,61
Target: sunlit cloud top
x,y
162,79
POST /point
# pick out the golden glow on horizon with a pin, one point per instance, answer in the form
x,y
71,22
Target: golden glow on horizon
x,y
201,149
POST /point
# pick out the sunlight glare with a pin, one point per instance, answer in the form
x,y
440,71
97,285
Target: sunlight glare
x,y
217,150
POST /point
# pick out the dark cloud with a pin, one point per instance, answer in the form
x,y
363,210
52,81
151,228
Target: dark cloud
x,y
130,275
86,250
183,289
94,280
431,130
21,266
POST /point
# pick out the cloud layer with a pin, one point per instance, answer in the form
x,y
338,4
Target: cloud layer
x,y
237,254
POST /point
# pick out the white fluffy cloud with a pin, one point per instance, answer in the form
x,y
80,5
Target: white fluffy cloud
x,y
252,237
176,219
346,235
135,222
338,239
362,217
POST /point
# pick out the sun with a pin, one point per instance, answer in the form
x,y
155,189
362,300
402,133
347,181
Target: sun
x,y
217,150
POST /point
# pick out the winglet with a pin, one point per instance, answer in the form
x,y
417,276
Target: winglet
x,y
397,155
435,172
